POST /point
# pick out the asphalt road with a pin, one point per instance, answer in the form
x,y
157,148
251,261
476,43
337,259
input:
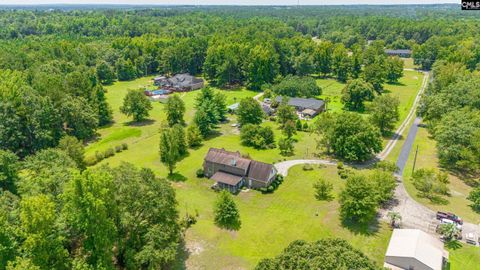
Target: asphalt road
x,y
407,146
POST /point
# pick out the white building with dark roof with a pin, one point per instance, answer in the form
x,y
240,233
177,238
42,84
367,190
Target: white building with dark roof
x,y
412,249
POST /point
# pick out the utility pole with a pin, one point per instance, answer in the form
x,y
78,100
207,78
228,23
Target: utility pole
x,y
415,160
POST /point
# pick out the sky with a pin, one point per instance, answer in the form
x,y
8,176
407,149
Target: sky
x,y
226,2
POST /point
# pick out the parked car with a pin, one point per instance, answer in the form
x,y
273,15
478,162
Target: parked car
x,y
450,216
449,221
471,238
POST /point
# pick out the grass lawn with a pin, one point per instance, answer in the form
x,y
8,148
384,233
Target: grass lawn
x,y
406,90
332,90
123,131
465,257
427,158
270,222
408,63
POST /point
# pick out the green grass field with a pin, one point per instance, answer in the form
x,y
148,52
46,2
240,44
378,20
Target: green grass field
x,y
408,63
465,257
427,158
270,222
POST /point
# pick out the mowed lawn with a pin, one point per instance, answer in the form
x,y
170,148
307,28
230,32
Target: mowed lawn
x,y
270,222
427,158
406,90
124,131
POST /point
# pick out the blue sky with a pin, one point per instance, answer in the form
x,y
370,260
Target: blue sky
x,y
228,2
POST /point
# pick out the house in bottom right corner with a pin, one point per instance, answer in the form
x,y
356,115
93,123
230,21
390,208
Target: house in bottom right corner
x,y
412,249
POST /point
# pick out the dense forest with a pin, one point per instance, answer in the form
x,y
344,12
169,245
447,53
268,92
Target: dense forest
x,y
54,65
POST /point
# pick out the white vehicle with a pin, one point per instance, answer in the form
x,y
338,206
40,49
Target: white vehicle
x,y
448,221
471,238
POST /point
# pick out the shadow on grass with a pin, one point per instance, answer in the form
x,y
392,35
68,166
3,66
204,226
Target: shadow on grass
x,y
182,256
214,134
363,228
232,226
143,123
453,244
396,83
436,199
176,177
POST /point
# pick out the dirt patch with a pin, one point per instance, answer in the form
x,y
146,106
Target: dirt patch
x,y
195,247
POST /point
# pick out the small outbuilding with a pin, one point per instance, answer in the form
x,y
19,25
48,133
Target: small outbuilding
x,y
400,53
414,249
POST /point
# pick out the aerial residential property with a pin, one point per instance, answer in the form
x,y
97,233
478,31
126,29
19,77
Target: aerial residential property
x,y
231,171
179,82
239,135
307,107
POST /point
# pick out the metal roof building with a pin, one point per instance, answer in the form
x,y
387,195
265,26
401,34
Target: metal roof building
x,y
414,249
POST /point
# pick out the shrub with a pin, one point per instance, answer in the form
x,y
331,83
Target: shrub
x,y
344,174
118,148
124,146
109,153
305,126
99,156
200,173
340,165
307,167
90,161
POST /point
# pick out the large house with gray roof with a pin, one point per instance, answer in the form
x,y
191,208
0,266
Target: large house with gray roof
x,y
179,82
232,171
308,107
400,53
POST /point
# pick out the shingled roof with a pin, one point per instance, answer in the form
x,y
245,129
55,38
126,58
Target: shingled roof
x,y
221,156
226,178
306,103
260,171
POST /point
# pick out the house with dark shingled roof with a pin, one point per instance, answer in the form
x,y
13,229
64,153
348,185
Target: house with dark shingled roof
x,y
232,171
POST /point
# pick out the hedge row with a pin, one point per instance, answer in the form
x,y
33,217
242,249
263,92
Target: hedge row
x,y
101,155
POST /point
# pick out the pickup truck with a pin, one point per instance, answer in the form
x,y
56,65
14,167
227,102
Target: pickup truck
x,y
450,216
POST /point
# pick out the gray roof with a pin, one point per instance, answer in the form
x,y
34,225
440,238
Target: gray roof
x,y
226,178
306,103
232,159
260,171
403,51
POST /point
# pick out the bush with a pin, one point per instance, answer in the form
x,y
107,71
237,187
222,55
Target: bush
x,y
340,165
124,146
200,173
109,153
307,167
305,126
90,161
99,156
118,148
344,174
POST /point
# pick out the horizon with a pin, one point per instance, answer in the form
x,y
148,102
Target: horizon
x,y
44,3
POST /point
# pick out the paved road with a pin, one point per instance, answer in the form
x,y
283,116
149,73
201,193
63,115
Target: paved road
x,y
407,146
414,214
